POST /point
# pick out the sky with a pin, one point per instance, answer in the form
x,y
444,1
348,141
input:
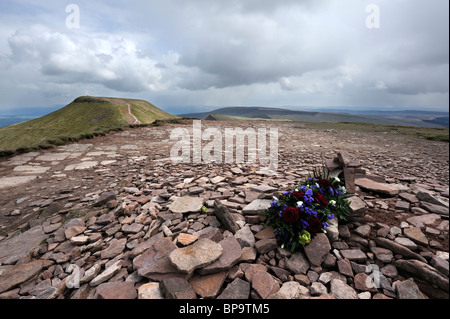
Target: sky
x,y
194,55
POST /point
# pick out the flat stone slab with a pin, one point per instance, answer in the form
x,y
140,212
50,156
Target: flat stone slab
x,y
376,187
21,159
238,289
117,290
106,274
81,166
186,239
184,205
231,255
357,205
398,248
264,189
129,147
115,247
177,288
108,162
21,244
7,182
50,157
317,250
340,290
208,286
382,254
416,235
408,243
264,284
298,263
422,220
202,253
28,169
257,206
435,209
75,147
16,275
150,291
154,263
354,254
424,271
408,289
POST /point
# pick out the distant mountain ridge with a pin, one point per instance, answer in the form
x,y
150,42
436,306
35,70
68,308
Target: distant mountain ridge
x,y
404,118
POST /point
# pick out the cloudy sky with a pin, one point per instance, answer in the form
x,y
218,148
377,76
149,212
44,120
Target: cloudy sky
x,y
186,55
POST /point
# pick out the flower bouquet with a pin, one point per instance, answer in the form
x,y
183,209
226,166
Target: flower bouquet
x,y
296,216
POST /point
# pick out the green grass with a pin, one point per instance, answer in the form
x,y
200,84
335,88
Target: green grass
x,y
84,118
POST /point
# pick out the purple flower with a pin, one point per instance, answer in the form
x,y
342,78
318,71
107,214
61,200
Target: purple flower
x,y
303,224
274,204
332,191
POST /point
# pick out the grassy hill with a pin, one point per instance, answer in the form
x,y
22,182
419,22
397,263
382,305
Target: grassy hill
x,y
83,118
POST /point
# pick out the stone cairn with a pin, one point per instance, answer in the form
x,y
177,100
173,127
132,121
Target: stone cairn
x,y
151,244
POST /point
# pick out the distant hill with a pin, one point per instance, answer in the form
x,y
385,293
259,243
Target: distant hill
x,y
405,118
84,117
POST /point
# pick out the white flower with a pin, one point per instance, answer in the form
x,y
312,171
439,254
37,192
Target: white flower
x,y
275,199
342,189
332,202
296,189
337,180
317,185
299,203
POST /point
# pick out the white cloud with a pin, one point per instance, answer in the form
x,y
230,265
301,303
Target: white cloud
x,y
271,53
106,59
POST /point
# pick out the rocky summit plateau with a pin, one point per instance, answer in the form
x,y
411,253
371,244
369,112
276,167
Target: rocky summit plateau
x,y
115,218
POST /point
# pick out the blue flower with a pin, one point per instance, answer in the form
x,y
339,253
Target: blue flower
x,y
303,224
310,212
332,191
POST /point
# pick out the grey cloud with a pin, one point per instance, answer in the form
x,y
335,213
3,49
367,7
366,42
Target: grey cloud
x,y
253,51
